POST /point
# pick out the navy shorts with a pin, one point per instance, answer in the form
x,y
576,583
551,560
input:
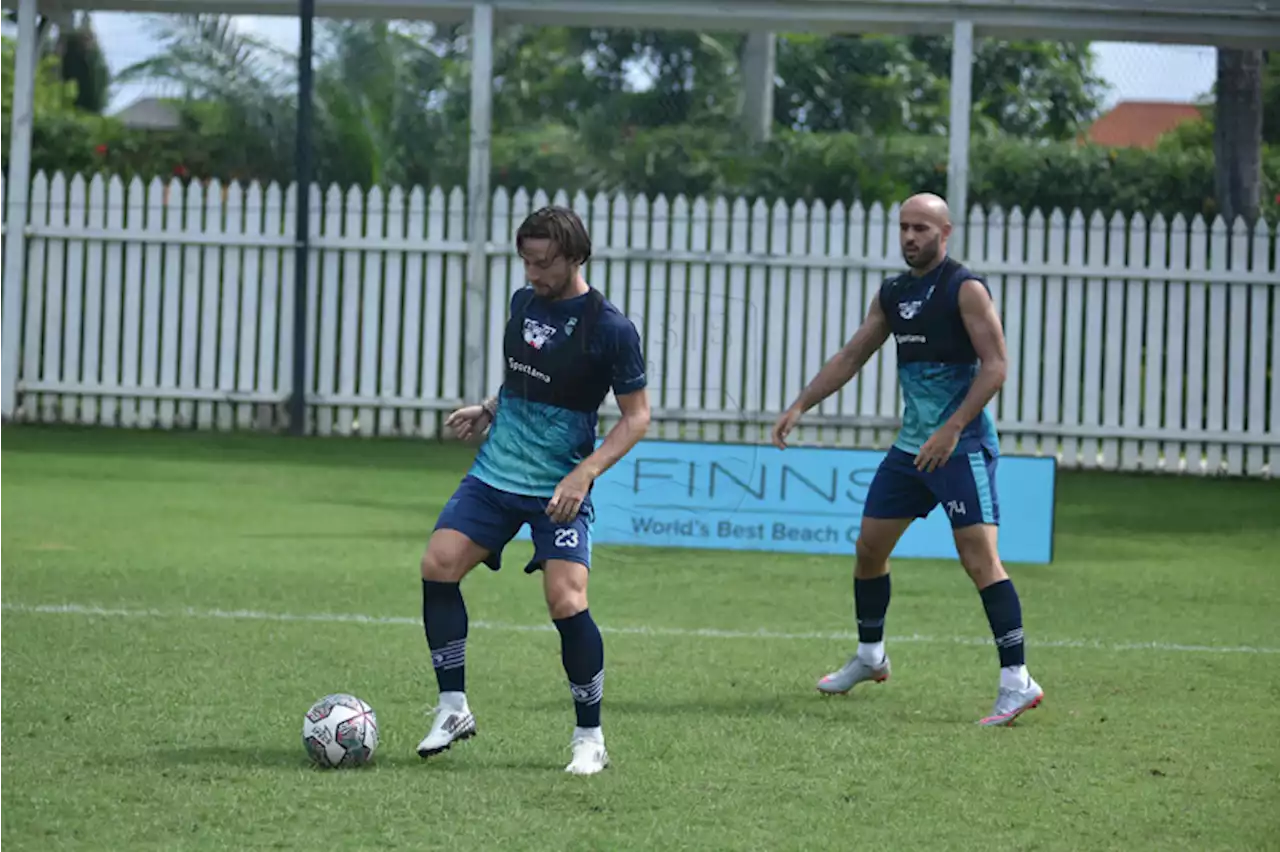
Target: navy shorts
x,y
491,518
965,486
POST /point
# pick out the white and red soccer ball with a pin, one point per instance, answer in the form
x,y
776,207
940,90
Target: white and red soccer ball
x,y
340,730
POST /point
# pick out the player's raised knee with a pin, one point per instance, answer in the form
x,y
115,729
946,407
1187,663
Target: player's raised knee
x,y
976,547
875,544
565,587
449,556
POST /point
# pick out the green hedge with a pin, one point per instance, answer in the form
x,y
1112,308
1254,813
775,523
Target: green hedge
x,y
1172,179
1175,178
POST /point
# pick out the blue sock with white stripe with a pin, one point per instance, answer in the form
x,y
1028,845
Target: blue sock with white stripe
x,y
582,652
1004,614
444,617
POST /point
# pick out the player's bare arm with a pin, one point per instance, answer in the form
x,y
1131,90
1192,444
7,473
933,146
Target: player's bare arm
x,y
471,420
838,371
625,434
982,322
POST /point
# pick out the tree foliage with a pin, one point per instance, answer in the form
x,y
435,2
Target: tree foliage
x,y
858,117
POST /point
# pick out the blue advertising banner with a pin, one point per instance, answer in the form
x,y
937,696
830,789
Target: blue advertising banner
x,y
798,500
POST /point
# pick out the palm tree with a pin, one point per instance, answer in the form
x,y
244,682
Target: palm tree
x,y
383,108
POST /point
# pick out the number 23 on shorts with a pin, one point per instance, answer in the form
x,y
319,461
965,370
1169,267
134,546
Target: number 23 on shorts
x,y
571,541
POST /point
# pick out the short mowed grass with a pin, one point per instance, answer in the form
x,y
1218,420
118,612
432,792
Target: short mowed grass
x,y
166,720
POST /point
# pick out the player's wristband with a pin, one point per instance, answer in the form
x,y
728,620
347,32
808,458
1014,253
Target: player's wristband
x,y
491,408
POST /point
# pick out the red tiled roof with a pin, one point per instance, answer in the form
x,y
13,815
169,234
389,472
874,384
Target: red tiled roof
x,y
1138,124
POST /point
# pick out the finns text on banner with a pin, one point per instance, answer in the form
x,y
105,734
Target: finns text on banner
x,y
798,500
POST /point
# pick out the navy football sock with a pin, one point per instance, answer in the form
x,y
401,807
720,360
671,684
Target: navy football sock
x,y
870,603
1004,614
444,617
582,652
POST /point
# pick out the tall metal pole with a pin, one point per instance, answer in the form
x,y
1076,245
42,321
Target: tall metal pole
x,y
18,185
302,239
475,343
961,107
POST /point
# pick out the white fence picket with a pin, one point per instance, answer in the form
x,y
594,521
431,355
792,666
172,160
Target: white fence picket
x,y
372,307
1259,295
330,284
112,293
349,302
1114,371
207,370
803,314
92,371
1095,341
1197,316
719,305
433,310
856,303
1237,350
1216,380
55,295
1176,342
499,292
1034,354
244,367
676,314
1154,337
756,318
232,215
73,299
1052,383
830,239
37,294
1013,320
1073,337
1133,345
886,361
451,357
656,328
410,340
869,387
284,357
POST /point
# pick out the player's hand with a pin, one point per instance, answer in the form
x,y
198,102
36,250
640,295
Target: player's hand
x,y
938,448
467,421
784,425
567,500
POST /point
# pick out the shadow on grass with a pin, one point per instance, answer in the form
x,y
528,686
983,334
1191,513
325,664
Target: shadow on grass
x,y
387,453
270,757
295,759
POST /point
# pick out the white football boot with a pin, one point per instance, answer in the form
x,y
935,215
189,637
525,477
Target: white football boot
x,y
589,754
453,722
1012,702
852,673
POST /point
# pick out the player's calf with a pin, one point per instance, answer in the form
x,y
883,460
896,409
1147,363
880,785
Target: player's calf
x,y
449,556
1018,692
582,653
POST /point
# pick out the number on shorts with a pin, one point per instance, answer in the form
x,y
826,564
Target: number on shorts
x,y
566,537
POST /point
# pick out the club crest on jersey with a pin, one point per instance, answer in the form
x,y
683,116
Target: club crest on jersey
x,y
908,310
537,334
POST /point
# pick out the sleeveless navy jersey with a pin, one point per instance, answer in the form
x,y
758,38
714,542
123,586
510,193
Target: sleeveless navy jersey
x,y
562,359
936,359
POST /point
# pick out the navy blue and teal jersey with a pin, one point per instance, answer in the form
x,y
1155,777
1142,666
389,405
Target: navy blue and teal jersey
x,y
562,359
937,363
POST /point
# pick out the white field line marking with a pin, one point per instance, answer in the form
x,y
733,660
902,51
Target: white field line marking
x,y
680,632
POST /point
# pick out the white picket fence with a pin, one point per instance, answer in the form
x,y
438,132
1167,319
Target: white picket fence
x,y
1133,345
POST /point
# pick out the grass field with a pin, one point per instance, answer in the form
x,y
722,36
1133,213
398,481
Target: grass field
x,y
154,687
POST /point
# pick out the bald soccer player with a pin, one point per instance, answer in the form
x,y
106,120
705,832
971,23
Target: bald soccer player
x,y
951,362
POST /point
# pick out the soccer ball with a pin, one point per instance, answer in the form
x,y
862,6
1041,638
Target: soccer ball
x,y
340,730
